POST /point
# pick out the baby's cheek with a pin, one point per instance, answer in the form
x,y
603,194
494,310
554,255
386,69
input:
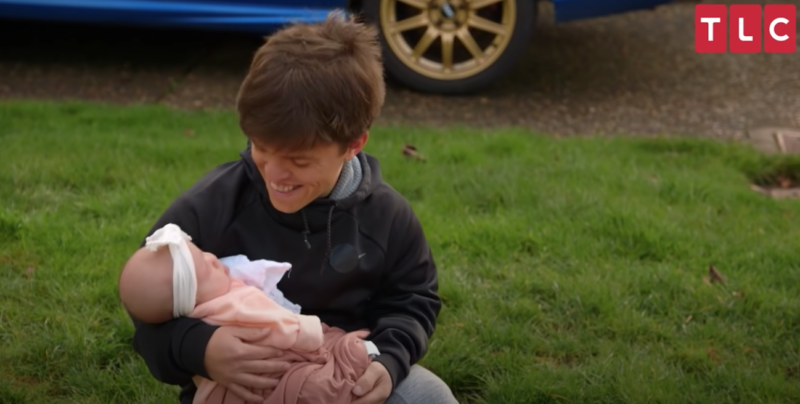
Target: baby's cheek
x,y
209,288
222,284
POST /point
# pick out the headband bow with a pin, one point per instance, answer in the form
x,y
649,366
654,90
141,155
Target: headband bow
x,y
184,279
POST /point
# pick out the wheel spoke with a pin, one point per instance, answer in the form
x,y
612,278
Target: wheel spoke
x,y
476,4
420,4
469,42
447,50
425,42
483,24
416,21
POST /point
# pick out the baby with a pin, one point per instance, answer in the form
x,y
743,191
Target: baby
x,y
158,284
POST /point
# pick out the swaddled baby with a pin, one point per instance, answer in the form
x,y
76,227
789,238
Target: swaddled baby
x,y
171,277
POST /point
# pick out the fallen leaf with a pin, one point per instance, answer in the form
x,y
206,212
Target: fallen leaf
x,y
687,319
188,132
713,355
29,272
784,182
715,275
410,151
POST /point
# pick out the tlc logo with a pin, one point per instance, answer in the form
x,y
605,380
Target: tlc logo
x,y
745,30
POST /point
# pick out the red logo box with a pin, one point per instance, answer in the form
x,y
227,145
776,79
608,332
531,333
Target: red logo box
x,y
710,22
713,27
745,28
780,32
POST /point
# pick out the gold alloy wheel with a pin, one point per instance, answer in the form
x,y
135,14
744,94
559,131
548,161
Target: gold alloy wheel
x,y
447,39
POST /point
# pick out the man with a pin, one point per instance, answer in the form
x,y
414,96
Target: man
x,y
304,192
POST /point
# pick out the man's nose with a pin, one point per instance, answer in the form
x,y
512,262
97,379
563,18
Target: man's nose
x,y
275,171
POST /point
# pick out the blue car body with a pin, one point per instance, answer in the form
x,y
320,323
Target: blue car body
x,y
254,16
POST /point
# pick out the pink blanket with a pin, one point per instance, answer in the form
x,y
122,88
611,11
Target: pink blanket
x,y
325,361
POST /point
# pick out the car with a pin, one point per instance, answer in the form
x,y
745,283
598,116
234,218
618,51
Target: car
x,y
438,46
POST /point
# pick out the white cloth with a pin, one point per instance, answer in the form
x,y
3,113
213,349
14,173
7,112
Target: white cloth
x,y
184,278
263,274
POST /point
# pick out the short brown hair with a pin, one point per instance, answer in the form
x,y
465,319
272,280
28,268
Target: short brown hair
x,y
313,82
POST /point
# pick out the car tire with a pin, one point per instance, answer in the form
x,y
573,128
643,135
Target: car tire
x,y
511,23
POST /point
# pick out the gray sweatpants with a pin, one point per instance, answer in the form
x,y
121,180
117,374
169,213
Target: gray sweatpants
x,y
421,387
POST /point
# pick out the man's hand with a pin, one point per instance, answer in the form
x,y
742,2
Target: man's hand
x,y
235,363
375,386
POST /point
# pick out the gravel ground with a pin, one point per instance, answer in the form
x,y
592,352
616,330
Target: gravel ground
x,y
635,73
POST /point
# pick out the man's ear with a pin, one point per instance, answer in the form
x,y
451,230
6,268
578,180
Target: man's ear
x,y
357,145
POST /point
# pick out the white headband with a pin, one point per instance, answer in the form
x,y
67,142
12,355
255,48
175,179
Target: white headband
x,y
184,279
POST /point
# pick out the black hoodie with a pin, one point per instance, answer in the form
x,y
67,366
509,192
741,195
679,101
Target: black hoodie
x,y
358,262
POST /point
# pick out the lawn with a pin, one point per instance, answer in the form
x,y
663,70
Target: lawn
x,y
572,269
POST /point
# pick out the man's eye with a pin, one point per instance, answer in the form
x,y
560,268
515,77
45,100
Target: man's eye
x,y
301,163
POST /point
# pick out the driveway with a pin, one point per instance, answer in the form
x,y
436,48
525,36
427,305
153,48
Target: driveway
x,y
633,74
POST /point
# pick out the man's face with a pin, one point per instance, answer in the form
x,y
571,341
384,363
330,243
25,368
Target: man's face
x,y
296,178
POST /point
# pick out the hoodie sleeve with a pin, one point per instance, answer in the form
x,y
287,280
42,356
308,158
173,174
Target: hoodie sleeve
x,y
402,314
174,351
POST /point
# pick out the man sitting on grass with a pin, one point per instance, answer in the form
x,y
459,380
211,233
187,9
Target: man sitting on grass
x,y
304,192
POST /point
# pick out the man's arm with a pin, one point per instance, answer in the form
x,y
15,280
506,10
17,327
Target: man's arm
x,y
174,351
402,315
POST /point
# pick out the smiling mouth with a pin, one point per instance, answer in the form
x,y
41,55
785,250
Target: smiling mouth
x,y
283,188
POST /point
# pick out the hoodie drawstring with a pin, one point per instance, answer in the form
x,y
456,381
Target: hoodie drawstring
x,y
307,231
328,250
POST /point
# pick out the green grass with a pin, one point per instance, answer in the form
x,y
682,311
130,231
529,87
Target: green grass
x,y
571,269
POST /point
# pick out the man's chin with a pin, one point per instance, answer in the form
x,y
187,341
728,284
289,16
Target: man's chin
x,y
283,208
286,210
286,207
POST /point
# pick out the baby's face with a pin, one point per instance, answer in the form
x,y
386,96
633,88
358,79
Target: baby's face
x,y
213,278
